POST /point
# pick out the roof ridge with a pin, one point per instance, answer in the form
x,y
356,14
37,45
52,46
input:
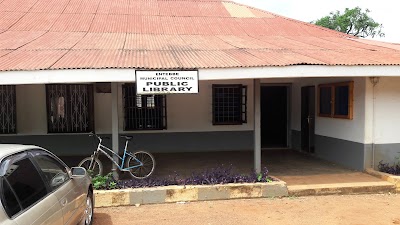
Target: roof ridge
x,y
380,44
293,20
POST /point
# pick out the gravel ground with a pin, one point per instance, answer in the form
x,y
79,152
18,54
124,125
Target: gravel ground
x,y
323,210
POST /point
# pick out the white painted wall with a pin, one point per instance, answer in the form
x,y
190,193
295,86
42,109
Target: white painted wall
x,y
193,112
31,109
32,112
186,113
387,110
351,130
102,113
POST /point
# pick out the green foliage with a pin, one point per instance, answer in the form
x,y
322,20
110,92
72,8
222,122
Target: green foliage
x,y
104,182
352,21
263,176
259,177
90,172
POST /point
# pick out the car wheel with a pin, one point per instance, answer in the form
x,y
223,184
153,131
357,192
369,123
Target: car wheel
x,y
88,218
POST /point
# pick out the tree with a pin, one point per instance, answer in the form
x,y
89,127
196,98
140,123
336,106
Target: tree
x,y
353,21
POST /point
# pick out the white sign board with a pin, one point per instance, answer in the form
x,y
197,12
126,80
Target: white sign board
x,y
167,82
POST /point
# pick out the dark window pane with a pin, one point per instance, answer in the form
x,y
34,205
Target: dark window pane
x,y
7,110
325,98
143,112
10,202
342,100
70,108
55,173
229,104
26,182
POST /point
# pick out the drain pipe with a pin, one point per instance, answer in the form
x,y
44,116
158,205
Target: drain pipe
x,y
374,81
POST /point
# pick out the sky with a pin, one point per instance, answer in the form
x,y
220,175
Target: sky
x,y
385,12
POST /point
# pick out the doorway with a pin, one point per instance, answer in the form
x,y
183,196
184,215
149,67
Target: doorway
x,y
274,116
308,119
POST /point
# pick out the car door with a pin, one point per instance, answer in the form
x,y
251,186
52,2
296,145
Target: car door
x,y
24,194
69,192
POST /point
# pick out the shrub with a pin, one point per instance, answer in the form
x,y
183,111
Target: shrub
x,y
219,175
391,169
106,182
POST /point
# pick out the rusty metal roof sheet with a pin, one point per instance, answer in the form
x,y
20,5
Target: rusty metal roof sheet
x,y
166,34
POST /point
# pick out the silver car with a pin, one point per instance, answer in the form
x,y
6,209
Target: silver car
x,y
36,188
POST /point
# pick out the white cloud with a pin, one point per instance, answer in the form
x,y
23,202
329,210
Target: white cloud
x,y
383,11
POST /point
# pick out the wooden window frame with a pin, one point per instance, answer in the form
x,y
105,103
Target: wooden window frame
x,y
333,86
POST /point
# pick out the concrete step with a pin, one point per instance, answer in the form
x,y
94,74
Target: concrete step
x,y
342,188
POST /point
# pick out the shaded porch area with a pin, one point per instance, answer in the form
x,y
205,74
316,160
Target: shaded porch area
x,y
293,167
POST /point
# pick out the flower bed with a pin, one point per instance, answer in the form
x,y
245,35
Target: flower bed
x,y
218,175
390,169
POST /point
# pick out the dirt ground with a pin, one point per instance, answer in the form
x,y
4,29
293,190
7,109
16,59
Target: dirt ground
x,y
323,210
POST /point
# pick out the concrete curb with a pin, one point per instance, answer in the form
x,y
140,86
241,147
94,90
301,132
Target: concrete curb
x,y
386,177
341,188
188,193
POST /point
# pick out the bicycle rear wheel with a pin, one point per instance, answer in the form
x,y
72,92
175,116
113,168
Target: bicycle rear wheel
x,y
95,169
141,171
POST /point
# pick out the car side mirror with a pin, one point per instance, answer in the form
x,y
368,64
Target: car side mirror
x,y
78,172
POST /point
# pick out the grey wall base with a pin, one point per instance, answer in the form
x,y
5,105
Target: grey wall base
x,y
82,144
387,153
355,155
347,153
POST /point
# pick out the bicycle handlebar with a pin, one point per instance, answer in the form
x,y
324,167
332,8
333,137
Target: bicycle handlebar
x,y
91,134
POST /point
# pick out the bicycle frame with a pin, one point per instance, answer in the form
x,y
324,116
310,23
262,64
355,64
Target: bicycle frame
x,y
104,149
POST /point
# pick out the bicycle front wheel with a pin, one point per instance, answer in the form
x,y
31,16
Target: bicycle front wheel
x,y
141,165
95,169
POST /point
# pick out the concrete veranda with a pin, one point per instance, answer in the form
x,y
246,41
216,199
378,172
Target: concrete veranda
x,y
295,168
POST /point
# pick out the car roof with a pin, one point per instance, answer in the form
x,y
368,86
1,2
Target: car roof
x,y
9,149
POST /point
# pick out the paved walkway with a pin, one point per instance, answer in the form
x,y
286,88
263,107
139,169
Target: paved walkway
x,y
323,210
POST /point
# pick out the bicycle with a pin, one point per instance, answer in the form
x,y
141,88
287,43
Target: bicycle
x,y
140,164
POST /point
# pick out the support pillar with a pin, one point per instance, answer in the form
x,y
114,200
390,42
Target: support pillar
x,y
257,126
115,126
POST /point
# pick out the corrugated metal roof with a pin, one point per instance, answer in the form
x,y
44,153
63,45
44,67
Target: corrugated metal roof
x,y
166,34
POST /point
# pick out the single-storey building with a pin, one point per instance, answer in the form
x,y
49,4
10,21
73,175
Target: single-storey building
x,y
257,80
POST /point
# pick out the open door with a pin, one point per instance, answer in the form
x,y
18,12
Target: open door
x,y
274,116
308,119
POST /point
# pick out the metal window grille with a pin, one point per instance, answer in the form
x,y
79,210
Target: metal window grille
x,y
143,112
8,124
69,108
229,104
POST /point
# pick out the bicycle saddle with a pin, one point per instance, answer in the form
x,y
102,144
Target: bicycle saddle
x,y
127,137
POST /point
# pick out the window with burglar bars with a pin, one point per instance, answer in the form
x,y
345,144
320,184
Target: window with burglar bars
x,y
229,104
8,124
143,112
69,108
